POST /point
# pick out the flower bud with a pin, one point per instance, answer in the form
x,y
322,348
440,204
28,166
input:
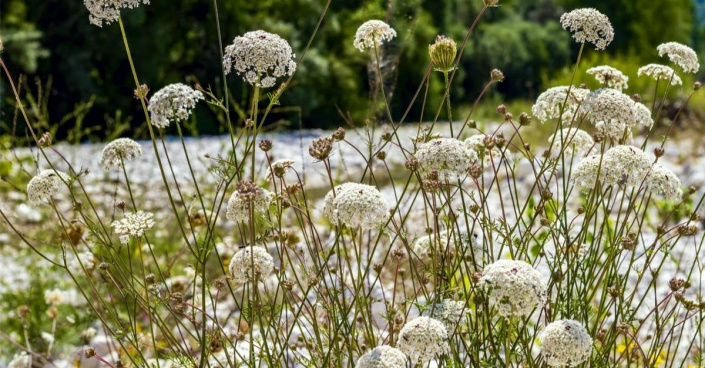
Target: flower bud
x,y
141,92
524,119
502,109
339,134
443,53
696,86
265,145
496,75
658,151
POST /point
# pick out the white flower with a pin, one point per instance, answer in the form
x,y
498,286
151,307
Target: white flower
x,y
515,287
548,104
663,181
422,339
85,258
565,343
659,72
681,55
248,197
609,77
615,113
486,148
119,150
248,259
449,156
355,204
575,141
585,174
108,11
450,312
54,296
21,360
625,165
589,25
383,356
373,33
45,185
449,243
173,102
260,57
133,225
49,338
616,130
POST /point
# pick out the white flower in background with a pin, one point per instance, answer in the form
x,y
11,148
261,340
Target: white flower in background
x,y
85,258
422,339
548,104
173,102
54,296
515,287
45,185
449,156
575,140
486,148
49,338
448,311
625,165
663,181
21,360
133,225
660,72
589,25
355,204
681,55
251,261
383,356
373,33
617,131
118,151
585,174
449,243
108,11
565,343
260,58
610,77
247,198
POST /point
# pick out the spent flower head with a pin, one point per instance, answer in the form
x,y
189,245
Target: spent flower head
x,y
589,25
681,55
45,185
173,102
372,34
260,57
108,11
118,151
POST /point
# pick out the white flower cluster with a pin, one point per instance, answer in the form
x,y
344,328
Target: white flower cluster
x,y
515,287
118,151
681,55
589,25
21,360
486,149
449,156
548,104
108,11
45,185
565,343
58,297
251,261
575,140
260,57
610,77
425,246
83,259
248,197
373,33
383,356
663,181
620,165
355,204
660,72
450,312
422,339
133,225
173,102
615,113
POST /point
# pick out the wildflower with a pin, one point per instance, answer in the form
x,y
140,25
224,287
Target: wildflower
x,y
133,225
251,261
373,33
515,287
681,55
445,242
21,360
487,149
248,198
609,77
279,168
449,156
173,102
585,175
450,312
496,75
663,181
658,72
575,141
443,53
108,11
625,165
54,296
565,343
260,57
383,356
118,151
422,339
355,204
589,25
321,148
45,185
549,103
615,113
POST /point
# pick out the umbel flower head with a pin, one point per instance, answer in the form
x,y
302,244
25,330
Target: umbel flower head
x,y
372,34
383,356
251,261
681,55
118,151
660,72
589,25
248,197
422,339
260,58
108,11
549,103
443,53
565,343
173,102
616,111
447,243
45,185
515,287
355,204
449,156
663,181
610,77
620,165
487,148
450,312
133,225
575,141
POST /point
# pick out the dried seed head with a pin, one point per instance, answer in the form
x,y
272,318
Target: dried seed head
x,y
502,109
524,119
265,145
45,140
321,148
339,134
89,352
412,164
659,151
696,86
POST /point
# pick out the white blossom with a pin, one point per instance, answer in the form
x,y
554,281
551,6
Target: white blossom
x,y
681,55
589,25
383,356
118,151
549,103
355,204
45,185
422,339
260,58
108,11
449,156
610,77
173,102
133,225
660,72
373,33
515,287
565,343
251,261
663,181
574,140
248,198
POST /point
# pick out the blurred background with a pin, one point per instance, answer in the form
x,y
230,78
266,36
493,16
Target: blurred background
x,y
76,81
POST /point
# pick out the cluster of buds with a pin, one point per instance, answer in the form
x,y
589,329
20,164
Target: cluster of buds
x,y
141,92
443,53
321,148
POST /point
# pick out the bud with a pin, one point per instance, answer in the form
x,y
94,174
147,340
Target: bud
x,y
197,218
312,280
491,2
45,140
636,97
412,164
386,136
2,47
150,279
120,205
508,116
397,254
696,86
377,267
581,210
339,134
598,137
475,171
249,123
676,284
287,285
502,109
496,75
265,145
443,53
89,352
524,119
321,148
659,151
141,92
23,311
382,155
